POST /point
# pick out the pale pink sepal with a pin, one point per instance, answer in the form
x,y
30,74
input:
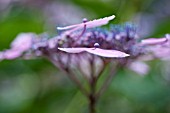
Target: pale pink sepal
x,y
97,51
22,42
160,52
153,41
89,24
107,53
139,67
11,54
72,50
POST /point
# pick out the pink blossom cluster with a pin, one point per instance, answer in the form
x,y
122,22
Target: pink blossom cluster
x,y
78,45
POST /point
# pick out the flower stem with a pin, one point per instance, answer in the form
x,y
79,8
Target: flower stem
x,y
93,83
92,96
92,104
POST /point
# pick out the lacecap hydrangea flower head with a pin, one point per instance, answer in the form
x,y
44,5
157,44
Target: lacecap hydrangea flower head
x,y
88,49
78,42
79,46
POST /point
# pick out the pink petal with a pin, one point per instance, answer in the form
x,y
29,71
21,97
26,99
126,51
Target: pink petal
x,y
84,65
23,41
89,24
153,41
160,52
52,43
139,67
97,51
72,50
99,22
69,27
107,53
11,54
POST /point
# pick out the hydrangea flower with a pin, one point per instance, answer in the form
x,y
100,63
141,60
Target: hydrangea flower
x,y
160,48
87,49
21,44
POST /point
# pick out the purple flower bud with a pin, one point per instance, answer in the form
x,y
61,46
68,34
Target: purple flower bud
x,y
85,20
96,45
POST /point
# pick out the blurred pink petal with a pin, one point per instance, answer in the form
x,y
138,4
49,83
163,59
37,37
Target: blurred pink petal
x,y
11,54
89,24
153,41
52,43
22,42
97,51
1,56
139,67
160,52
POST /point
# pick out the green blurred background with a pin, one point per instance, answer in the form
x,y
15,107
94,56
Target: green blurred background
x,y
36,86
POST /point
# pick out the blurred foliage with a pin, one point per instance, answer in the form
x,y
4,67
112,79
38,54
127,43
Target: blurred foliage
x,y
36,86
